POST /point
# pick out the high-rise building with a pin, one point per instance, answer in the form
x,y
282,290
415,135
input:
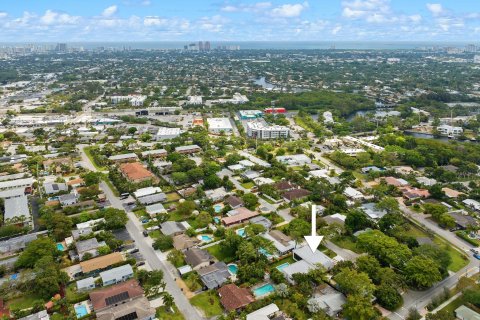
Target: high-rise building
x,y
61,47
207,46
200,46
471,48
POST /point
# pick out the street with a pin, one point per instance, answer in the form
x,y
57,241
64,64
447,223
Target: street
x,y
155,260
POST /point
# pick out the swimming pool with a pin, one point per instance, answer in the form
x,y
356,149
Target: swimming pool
x,y
60,247
241,232
206,238
81,311
283,266
265,253
218,208
233,268
216,219
263,290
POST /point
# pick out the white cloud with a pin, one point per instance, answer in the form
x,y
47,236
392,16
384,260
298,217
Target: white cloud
x,y
373,10
154,21
289,10
58,18
3,14
336,30
435,8
256,7
212,24
110,11
415,18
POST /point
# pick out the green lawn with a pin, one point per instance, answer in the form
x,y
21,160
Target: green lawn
x,y
248,185
192,281
164,315
24,302
173,196
209,303
346,242
288,259
458,259
220,254
73,296
89,155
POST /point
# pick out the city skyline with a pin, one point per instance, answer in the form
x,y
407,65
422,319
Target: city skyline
x,y
150,20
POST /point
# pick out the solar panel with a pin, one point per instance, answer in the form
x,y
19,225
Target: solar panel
x,y
130,316
117,298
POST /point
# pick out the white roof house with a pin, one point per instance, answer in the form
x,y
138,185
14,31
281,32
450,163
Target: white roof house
x,y
146,191
473,204
117,274
17,208
19,183
264,313
353,194
294,160
121,157
154,209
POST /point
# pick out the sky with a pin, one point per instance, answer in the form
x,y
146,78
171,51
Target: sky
x,y
242,20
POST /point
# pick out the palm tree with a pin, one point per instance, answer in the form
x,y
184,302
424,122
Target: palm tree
x,y
167,300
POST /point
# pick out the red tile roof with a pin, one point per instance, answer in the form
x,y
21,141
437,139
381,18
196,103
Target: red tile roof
x,y
233,297
135,171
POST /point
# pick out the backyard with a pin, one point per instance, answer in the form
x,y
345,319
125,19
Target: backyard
x,y
209,303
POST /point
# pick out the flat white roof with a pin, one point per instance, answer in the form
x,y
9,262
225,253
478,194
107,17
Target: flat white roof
x,y
219,124
16,183
16,207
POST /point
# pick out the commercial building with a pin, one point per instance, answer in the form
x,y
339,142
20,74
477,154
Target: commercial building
x,y
188,149
195,100
126,157
164,133
261,130
275,110
250,114
134,100
219,125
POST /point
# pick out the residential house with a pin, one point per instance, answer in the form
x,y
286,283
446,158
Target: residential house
x,y
463,220
371,210
238,215
173,228
68,199
41,315
117,275
234,202
284,185
396,182
101,263
17,211
331,301
143,192
135,172
296,194
127,157
198,258
428,182
472,204
250,174
266,313
261,220
190,149
183,242
115,295
86,284
89,246
153,198
155,209
353,194
283,243
411,193
306,261
216,194
465,313
234,298
294,160
157,153
336,218
54,188
451,193
215,275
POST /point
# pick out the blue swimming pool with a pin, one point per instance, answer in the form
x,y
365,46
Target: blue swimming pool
x,y
218,208
283,266
241,232
265,253
216,219
81,311
206,238
263,290
60,247
233,268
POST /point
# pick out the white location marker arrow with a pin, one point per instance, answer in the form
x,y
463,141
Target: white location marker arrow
x,y
314,240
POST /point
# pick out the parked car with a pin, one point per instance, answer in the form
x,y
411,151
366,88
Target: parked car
x,y
477,255
145,233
